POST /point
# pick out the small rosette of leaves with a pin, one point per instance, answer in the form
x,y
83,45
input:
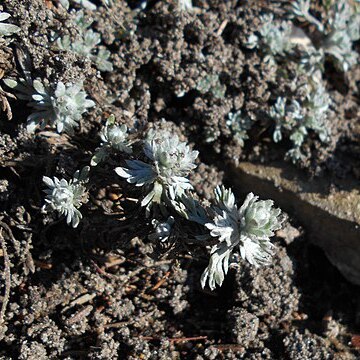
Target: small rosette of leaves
x,y
66,197
249,228
273,38
86,44
239,126
295,119
61,108
337,37
169,161
211,84
114,139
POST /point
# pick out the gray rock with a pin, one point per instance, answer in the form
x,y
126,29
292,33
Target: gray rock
x,y
330,216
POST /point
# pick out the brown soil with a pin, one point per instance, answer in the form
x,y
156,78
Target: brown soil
x,y
103,290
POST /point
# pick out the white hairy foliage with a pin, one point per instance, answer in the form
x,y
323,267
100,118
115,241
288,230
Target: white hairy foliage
x,y
86,44
249,228
7,29
61,108
114,138
169,161
66,197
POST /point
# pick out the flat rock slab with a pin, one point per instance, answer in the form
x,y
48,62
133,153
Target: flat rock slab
x,y
329,213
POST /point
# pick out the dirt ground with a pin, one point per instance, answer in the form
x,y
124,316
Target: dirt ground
x,y
104,290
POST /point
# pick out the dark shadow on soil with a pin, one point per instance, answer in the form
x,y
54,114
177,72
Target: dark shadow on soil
x,y
324,291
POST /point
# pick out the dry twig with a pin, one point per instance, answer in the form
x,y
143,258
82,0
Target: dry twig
x,y
221,28
15,242
7,278
161,282
81,314
175,340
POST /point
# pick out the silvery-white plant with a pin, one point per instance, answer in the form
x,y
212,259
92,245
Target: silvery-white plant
x,y
141,4
286,116
273,38
248,228
169,162
66,197
296,119
86,44
114,138
312,62
61,108
342,30
86,4
339,45
7,29
211,83
239,125
185,5
317,105
301,9
109,2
